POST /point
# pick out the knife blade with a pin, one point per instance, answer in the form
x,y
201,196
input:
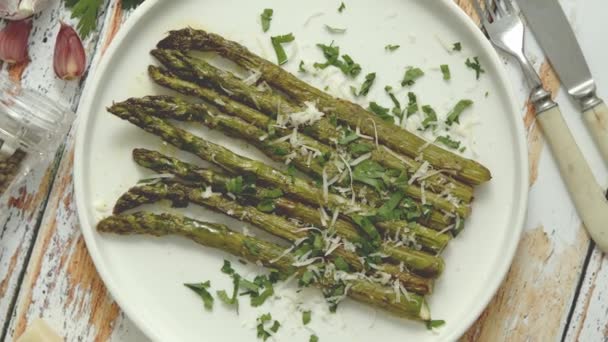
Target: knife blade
x,y
554,33
552,29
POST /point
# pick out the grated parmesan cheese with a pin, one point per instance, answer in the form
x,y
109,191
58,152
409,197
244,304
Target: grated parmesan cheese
x,y
307,117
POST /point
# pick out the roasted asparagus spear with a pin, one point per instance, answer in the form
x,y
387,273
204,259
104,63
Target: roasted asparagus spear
x,y
309,162
418,262
427,238
269,254
392,136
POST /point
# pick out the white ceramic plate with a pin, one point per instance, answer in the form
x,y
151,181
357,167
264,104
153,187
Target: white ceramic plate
x,y
145,275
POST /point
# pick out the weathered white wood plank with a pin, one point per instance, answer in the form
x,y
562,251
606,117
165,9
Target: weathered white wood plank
x,y
61,284
17,235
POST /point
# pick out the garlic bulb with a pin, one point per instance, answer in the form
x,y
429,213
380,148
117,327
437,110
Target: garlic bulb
x,y
20,9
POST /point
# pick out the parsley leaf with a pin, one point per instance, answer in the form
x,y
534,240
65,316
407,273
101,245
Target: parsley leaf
x,y
313,338
412,106
360,149
454,114
266,206
223,296
335,30
302,67
201,290
367,226
391,47
449,142
332,55
397,111
369,82
86,11
235,185
266,19
382,112
342,8
433,324
387,210
445,70
431,117
457,46
370,173
306,315
411,75
349,136
262,320
341,264
227,268
277,44
475,65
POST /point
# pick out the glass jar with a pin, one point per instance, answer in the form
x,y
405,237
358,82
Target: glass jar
x,y
31,129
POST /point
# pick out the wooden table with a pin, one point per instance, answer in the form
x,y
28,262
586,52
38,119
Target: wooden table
x,y
557,287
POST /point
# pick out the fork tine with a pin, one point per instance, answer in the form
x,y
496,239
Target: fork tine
x,y
482,13
495,6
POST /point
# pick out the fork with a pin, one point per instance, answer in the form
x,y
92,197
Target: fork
x,y
503,26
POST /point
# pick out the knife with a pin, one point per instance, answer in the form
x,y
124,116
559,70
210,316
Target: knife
x,y
554,33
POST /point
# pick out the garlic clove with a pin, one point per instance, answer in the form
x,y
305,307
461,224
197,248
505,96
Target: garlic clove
x,y
13,41
70,59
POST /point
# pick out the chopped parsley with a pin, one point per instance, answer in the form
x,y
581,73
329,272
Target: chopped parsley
x,y
391,47
267,205
223,295
261,328
449,142
313,338
370,173
433,324
342,8
277,44
382,112
369,82
341,264
431,117
445,70
411,75
266,19
412,105
332,55
306,316
349,136
251,247
397,111
201,290
235,185
360,149
227,268
457,46
475,65
335,30
388,210
302,67
368,228
454,114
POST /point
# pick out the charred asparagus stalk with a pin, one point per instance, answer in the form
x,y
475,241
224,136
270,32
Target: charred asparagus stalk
x,y
429,239
268,103
254,250
309,163
418,262
392,136
236,164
